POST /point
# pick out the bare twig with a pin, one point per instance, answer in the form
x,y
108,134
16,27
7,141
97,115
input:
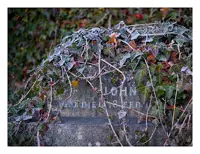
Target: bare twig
x,y
38,138
103,101
154,94
24,96
148,112
109,21
127,44
102,19
169,134
151,135
124,78
173,116
51,100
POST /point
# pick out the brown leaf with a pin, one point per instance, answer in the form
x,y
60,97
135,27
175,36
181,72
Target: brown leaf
x,y
174,57
164,12
133,44
151,58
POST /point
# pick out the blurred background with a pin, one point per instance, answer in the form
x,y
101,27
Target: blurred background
x,y
32,32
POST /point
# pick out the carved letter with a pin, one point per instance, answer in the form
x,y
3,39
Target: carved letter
x,y
125,91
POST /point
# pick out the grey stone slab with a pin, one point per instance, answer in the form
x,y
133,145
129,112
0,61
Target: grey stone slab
x,y
78,134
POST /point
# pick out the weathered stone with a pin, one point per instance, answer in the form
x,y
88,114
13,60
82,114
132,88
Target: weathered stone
x,y
83,121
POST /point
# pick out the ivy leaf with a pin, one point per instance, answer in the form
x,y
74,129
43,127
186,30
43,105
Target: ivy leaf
x,y
135,35
60,91
80,70
169,91
160,90
61,62
140,75
123,60
144,90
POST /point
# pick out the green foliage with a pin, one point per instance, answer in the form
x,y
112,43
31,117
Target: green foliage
x,y
33,34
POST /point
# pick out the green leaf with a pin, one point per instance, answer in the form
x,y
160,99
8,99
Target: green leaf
x,y
60,91
169,91
160,90
137,132
144,90
140,75
110,137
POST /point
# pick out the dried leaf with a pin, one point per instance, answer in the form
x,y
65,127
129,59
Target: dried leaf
x,y
164,12
112,38
173,57
151,58
75,83
133,44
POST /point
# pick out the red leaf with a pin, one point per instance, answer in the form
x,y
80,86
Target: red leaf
x,y
171,107
173,57
51,83
138,16
94,42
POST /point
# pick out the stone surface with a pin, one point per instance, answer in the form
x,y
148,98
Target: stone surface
x,y
83,122
86,132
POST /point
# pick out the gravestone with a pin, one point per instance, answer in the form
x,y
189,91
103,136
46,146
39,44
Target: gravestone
x,y
83,122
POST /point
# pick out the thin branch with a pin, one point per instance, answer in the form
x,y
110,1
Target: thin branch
x,y
148,112
38,138
154,93
51,100
103,101
175,100
102,19
151,134
128,44
24,96
109,21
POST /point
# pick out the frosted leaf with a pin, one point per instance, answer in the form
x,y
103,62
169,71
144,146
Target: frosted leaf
x,y
123,60
81,70
122,114
61,62
98,144
184,68
50,58
57,51
135,35
189,72
40,79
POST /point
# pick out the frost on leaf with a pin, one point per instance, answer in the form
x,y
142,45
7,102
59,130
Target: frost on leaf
x,y
123,60
122,114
